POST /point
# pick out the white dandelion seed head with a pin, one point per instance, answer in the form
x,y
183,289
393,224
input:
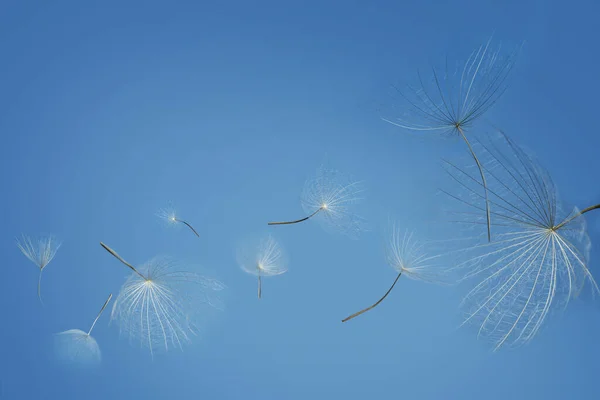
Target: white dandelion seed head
x,y
537,259
159,309
407,255
450,98
263,256
336,195
168,214
39,251
76,346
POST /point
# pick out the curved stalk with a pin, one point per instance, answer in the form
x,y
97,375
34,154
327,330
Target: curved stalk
x,y
594,207
259,287
39,287
485,189
188,225
376,304
118,257
296,221
99,314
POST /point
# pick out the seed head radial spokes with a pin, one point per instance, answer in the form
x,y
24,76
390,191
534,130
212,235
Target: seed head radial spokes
x,y
452,102
79,346
41,254
169,215
406,257
262,257
333,196
538,260
456,100
156,304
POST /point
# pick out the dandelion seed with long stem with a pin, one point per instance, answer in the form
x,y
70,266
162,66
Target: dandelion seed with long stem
x,y
454,103
157,302
262,258
331,196
77,345
539,260
170,216
40,253
406,256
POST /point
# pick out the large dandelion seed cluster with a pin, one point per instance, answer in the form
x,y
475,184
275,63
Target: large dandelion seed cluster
x,y
538,259
158,306
536,255
530,253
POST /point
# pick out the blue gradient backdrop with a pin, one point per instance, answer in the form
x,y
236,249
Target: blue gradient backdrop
x,y
112,109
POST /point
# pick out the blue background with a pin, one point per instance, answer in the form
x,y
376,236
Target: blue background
x,y
112,109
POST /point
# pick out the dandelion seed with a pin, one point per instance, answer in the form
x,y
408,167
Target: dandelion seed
x,y
538,260
158,304
406,256
40,253
170,216
261,259
454,103
79,346
331,196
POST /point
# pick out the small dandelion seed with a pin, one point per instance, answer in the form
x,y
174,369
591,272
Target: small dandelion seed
x,y
79,346
331,196
169,214
40,253
406,256
262,258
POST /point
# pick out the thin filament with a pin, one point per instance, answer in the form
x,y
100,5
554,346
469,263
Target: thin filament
x,y
376,304
259,287
118,257
100,313
188,225
296,221
485,189
39,287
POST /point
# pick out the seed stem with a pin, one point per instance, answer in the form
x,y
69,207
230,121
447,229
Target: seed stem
x,y
39,287
118,257
259,287
296,221
485,189
188,225
100,313
377,303
594,207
